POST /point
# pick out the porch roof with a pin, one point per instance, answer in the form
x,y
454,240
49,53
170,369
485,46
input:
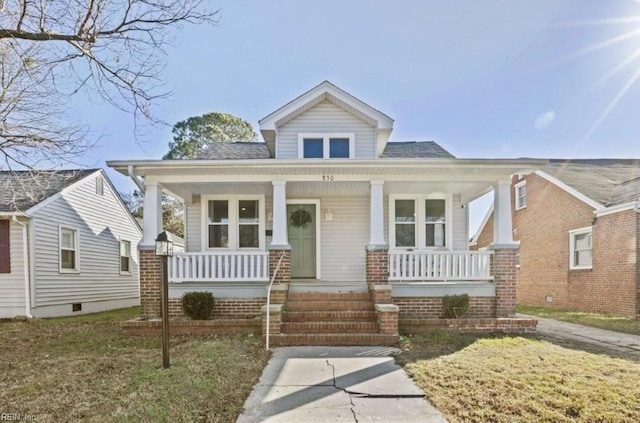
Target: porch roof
x,y
470,178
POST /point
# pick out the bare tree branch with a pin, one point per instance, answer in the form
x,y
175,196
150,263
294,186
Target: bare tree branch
x,y
51,50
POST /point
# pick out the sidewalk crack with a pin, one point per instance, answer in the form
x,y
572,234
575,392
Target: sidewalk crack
x,y
352,407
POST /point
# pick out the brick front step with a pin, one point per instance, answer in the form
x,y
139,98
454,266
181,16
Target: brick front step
x,y
323,316
341,339
329,296
330,327
358,305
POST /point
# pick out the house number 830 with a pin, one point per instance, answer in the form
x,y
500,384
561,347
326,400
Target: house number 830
x,y
327,177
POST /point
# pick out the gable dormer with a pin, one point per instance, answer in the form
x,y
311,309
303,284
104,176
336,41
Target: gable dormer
x,y
326,122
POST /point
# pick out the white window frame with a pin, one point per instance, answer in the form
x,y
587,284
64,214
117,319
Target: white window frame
x,y
326,137
234,221
76,240
516,197
572,250
420,223
124,272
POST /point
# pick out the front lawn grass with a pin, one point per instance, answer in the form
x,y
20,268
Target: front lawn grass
x,y
83,368
596,320
516,379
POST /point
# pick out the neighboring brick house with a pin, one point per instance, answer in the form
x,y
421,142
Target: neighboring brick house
x,y
372,233
578,223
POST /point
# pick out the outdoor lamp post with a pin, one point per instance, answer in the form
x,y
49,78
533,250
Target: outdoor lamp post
x,y
164,249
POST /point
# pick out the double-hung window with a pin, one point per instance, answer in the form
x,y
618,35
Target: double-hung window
x,y
581,248
418,222
520,195
234,223
68,250
326,146
125,256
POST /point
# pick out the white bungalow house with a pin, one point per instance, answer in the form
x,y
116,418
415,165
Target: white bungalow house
x,y
68,244
358,220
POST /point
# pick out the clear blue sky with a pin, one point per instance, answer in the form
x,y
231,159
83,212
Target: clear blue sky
x,y
491,78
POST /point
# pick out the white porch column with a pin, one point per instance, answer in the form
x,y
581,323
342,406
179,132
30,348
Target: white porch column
x,y
502,226
376,234
152,213
280,235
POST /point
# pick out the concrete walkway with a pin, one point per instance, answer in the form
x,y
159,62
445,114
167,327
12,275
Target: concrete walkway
x,y
616,341
336,384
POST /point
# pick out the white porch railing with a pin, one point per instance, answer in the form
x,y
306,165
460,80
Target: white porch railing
x,y
219,266
440,265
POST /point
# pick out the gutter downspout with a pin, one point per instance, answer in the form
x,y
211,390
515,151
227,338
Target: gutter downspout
x,y
25,261
134,178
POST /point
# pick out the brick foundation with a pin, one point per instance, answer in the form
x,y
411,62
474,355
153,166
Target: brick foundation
x,y
431,307
479,326
150,284
224,308
199,327
503,268
377,266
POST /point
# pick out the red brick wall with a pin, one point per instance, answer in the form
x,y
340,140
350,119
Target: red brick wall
x,y
611,286
225,308
377,266
431,307
150,282
503,269
284,272
486,235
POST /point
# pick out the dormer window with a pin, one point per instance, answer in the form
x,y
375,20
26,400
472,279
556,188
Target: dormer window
x,y
326,146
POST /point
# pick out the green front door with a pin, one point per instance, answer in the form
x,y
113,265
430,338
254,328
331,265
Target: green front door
x,y
302,238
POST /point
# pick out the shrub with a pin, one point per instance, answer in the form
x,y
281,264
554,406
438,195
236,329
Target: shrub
x,y
455,306
197,305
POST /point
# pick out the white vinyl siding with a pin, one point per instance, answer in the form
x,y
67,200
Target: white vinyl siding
x,y
101,221
326,118
459,224
12,301
344,238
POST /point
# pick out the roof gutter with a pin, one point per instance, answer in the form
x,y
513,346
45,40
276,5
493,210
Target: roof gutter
x,y
134,178
25,261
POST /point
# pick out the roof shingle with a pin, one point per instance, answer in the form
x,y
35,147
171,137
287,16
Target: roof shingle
x,y
609,182
21,190
416,149
235,151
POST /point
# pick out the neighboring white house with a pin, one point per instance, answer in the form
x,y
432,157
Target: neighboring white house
x,y
347,208
68,244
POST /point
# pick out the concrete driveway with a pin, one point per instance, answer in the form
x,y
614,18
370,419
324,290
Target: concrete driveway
x,y
336,384
622,343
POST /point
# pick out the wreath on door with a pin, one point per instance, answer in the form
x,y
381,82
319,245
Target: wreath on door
x,y
300,218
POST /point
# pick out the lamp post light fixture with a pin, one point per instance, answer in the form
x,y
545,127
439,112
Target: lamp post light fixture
x,y
164,249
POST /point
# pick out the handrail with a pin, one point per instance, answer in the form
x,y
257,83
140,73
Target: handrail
x,y
273,278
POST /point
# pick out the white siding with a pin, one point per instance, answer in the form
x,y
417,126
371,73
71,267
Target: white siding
x,y
101,222
12,284
344,239
460,223
325,117
192,231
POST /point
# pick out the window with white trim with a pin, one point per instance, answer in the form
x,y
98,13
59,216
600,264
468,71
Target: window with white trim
x,y
68,249
234,223
521,195
125,256
418,221
326,146
581,248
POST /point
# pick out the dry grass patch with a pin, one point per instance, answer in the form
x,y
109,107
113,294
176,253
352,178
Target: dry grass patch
x,y
596,320
84,368
515,379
